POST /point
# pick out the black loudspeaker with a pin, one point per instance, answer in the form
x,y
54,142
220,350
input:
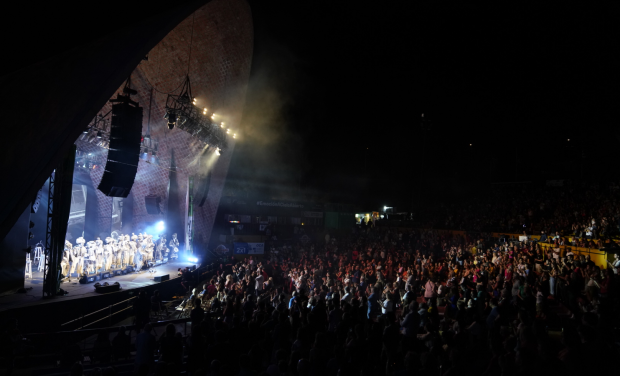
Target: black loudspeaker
x,y
88,279
161,278
118,272
152,204
102,289
124,154
106,275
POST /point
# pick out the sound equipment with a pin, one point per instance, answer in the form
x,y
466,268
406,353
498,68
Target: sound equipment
x,y
124,154
88,279
105,288
116,272
161,278
128,269
105,275
152,204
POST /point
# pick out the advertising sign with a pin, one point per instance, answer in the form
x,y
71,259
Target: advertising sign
x,y
249,248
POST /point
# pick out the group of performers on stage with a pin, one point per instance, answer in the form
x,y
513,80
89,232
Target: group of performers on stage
x,y
117,252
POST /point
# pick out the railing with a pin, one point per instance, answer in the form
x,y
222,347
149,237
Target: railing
x,y
109,316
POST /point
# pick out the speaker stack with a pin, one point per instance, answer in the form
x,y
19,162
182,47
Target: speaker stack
x,y
125,140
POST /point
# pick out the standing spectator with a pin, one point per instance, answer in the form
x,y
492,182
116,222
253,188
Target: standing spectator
x,y
121,344
145,348
171,346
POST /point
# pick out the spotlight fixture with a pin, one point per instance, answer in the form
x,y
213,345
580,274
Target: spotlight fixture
x,y
188,117
222,124
228,131
172,119
98,131
235,135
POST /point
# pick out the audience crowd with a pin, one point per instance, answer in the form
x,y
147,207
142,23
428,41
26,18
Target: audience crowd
x,y
387,302
588,212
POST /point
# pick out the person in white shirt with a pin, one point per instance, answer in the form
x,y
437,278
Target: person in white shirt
x,y
347,295
387,305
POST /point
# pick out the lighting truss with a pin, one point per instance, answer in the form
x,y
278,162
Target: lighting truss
x,y
85,160
182,112
98,131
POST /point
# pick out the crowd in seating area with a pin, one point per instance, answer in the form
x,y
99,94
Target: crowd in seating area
x,y
588,212
380,301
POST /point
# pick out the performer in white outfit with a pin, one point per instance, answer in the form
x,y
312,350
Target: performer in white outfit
x,y
79,254
28,272
66,258
100,261
174,247
108,253
149,247
133,249
91,258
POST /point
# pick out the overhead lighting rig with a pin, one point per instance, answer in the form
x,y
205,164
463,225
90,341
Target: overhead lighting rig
x,y
182,111
98,131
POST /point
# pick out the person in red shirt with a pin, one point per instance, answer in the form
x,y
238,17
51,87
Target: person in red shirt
x,y
211,289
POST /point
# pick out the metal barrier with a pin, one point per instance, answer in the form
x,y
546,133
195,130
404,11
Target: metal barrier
x,y
109,316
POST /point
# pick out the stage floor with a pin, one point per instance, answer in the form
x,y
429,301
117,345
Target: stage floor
x,y
77,290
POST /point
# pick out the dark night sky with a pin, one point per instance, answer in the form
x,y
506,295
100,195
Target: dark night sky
x,y
515,82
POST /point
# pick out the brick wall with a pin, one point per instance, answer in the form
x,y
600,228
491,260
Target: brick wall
x,y
221,55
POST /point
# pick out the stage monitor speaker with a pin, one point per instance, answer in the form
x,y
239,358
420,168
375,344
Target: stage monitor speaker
x,y
152,204
105,288
124,153
88,279
161,278
106,275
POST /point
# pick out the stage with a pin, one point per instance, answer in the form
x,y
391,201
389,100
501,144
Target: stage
x,y
76,290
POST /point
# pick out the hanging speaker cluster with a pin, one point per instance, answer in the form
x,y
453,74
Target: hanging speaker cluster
x,y
125,140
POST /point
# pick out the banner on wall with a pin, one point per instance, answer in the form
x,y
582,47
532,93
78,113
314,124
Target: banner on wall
x,y
249,248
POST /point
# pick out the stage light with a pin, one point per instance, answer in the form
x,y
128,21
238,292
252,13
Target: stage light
x,y
235,135
217,152
222,124
228,131
194,103
160,226
192,259
154,159
172,119
213,116
98,134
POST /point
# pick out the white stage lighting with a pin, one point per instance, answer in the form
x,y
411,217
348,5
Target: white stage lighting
x,y
160,226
